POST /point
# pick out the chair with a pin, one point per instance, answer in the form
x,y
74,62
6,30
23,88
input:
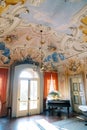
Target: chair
x,y
83,109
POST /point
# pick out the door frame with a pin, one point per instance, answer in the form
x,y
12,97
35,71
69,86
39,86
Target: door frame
x,y
17,70
70,84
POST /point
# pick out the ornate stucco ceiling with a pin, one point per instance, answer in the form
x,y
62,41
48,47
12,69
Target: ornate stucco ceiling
x,y
57,29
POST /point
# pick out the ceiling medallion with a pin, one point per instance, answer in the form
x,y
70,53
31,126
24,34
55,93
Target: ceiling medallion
x,y
37,28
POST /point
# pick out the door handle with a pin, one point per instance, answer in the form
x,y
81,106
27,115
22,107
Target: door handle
x,y
19,99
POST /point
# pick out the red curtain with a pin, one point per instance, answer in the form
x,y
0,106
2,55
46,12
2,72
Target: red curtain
x,y
47,80
3,88
47,77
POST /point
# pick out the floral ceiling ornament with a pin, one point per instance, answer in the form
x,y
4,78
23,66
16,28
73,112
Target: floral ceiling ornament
x,y
11,38
74,66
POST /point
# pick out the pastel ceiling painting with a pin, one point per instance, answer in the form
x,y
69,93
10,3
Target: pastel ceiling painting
x,y
50,34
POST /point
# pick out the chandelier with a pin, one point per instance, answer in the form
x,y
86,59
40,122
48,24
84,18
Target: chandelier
x,y
42,66
45,65
41,62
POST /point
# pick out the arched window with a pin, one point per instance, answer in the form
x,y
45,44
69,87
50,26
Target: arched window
x,y
28,73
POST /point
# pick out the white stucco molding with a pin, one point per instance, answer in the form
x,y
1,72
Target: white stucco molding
x,y
77,17
11,20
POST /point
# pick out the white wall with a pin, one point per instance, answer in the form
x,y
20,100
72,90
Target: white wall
x,y
63,86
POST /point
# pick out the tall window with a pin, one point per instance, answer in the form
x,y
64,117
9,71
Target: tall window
x,y
50,82
28,73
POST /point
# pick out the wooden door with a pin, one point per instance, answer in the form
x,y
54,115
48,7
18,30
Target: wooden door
x,y
77,93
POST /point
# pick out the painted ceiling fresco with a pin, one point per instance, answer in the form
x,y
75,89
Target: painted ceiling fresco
x,y
50,33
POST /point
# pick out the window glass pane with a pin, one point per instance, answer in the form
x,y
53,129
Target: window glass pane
x,y
33,104
75,87
23,106
24,90
33,90
82,100
52,84
76,99
25,74
81,87
28,73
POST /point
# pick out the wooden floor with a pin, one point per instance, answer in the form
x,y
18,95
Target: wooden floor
x,y
14,123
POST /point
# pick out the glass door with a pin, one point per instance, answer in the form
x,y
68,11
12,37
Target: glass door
x,y
28,97
33,97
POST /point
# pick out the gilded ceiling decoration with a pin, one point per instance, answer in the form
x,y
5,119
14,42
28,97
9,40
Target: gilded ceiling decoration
x,y
4,4
83,28
43,33
74,66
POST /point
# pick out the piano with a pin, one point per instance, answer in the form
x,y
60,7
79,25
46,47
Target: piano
x,y
52,104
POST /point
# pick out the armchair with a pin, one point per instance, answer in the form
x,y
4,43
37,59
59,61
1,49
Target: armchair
x,y
83,109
